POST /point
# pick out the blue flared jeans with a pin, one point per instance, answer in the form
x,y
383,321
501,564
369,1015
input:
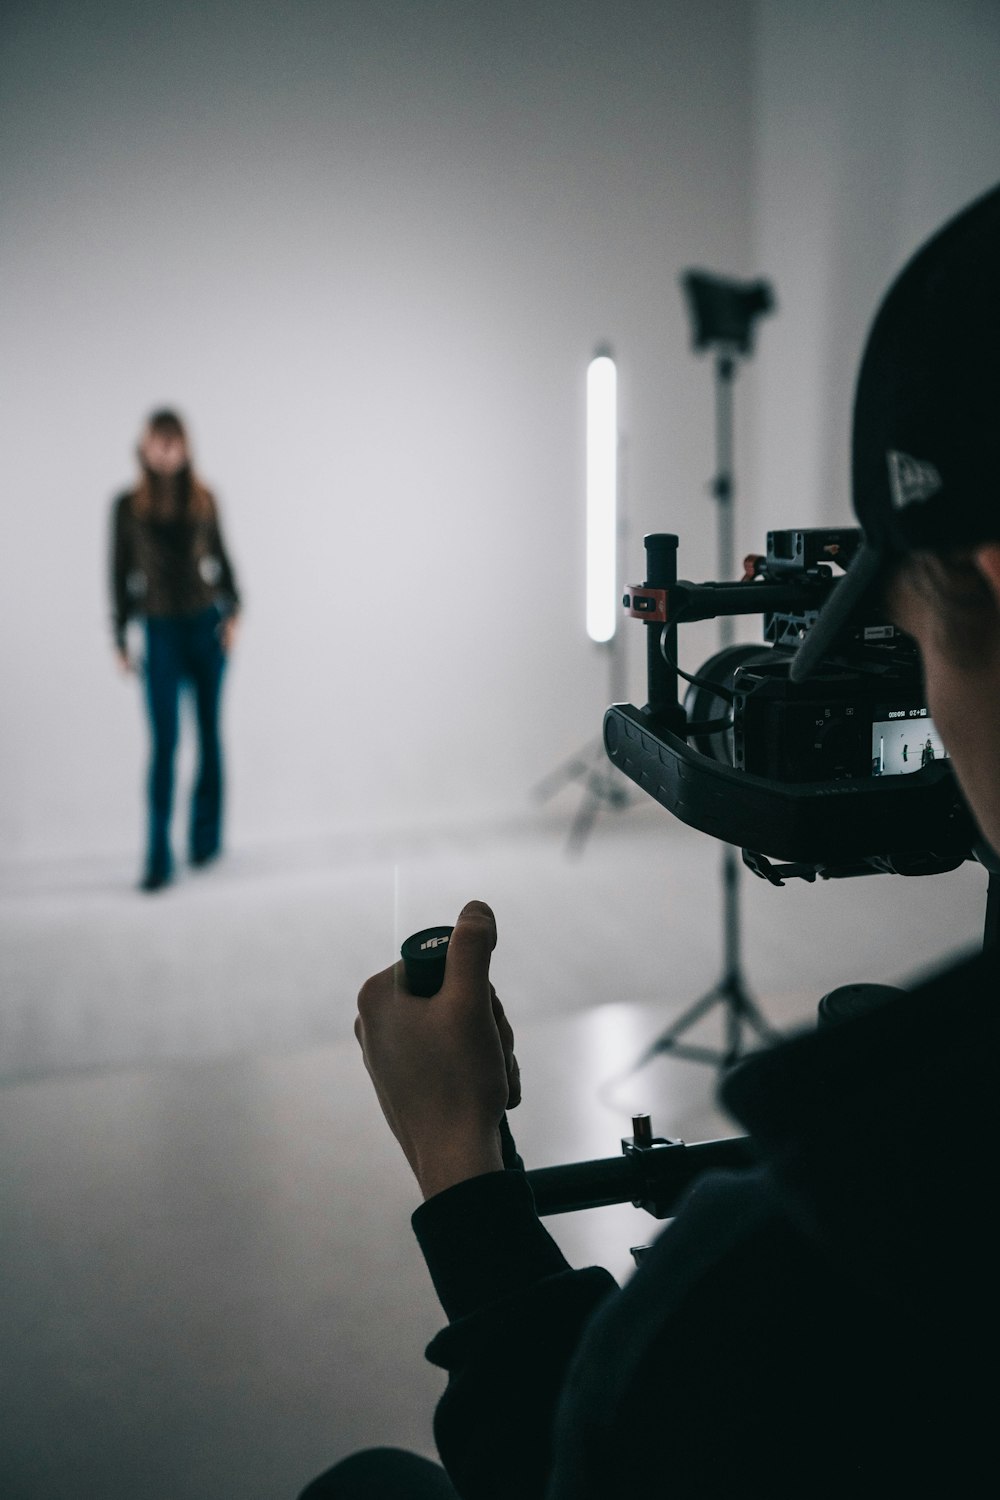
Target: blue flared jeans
x,y
184,651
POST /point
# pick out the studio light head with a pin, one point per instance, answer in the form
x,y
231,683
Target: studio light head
x,y
723,311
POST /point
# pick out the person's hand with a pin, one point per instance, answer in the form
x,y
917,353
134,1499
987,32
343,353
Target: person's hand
x,y
443,1066
228,628
126,665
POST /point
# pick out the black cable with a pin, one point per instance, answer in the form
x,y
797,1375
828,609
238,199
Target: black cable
x,y
724,693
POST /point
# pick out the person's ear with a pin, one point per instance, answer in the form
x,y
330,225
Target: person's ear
x,y
987,561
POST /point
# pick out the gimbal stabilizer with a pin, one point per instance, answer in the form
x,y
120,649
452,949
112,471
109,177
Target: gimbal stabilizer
x,y
906,824
913,824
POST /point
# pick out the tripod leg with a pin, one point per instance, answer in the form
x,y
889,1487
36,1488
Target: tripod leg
x,y
582,824
688,1018
740,1010
601,787
573,769
759,1022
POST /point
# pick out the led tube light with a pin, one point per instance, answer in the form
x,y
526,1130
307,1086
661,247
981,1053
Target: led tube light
x,y
602,496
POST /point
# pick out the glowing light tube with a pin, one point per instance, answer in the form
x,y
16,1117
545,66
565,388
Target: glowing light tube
x,y
602,496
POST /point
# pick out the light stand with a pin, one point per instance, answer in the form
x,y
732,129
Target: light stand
x,y
722,312
605,536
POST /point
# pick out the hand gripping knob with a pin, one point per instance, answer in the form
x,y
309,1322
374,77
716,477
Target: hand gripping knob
x,y
424,956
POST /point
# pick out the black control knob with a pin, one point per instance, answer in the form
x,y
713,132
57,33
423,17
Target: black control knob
x,y
424,956
852,1000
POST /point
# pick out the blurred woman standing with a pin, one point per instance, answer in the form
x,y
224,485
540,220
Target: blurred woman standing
x,y
170,568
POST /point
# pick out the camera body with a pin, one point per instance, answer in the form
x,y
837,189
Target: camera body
x,y
843,774
841,724
862,716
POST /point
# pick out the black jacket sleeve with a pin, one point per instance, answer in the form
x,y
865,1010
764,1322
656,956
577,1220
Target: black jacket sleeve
x,y
120,566
517,1312
229,594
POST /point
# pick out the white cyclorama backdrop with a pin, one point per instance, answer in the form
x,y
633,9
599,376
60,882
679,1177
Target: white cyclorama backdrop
x,y
368,250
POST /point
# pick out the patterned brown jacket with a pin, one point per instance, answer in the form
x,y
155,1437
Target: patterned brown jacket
x,y
167,567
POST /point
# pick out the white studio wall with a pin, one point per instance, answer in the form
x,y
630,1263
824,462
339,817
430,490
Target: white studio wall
x,y
367,250
875,121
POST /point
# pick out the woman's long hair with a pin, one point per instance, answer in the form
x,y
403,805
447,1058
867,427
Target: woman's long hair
x,y
194,499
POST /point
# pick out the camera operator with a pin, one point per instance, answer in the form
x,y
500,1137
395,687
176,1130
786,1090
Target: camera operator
x,y
819,1323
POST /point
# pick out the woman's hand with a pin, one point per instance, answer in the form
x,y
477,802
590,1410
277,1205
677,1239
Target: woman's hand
x,y
443,1067
126,665
228,630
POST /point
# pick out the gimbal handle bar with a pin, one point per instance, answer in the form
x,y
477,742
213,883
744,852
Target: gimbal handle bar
x,y
653,1173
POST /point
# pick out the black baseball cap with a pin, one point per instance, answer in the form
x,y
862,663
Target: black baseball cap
x,y
925,471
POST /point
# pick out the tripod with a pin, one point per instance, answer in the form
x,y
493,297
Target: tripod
x,y
730,990
741,1011
602,783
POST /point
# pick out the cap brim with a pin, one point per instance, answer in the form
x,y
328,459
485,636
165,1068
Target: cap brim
x,y
857,587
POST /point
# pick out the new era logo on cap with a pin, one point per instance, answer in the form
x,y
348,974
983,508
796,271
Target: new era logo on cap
x,y
910,479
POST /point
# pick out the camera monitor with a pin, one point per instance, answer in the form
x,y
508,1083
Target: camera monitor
x,y
904,740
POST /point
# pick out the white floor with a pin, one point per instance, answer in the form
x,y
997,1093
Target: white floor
x,y
210,1287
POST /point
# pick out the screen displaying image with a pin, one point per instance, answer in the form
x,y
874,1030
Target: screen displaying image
x,y
903,740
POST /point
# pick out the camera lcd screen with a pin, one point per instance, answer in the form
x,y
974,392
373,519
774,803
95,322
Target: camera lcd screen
x,y
904,740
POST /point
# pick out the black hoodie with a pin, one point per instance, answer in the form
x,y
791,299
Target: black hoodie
x,y
822,1323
